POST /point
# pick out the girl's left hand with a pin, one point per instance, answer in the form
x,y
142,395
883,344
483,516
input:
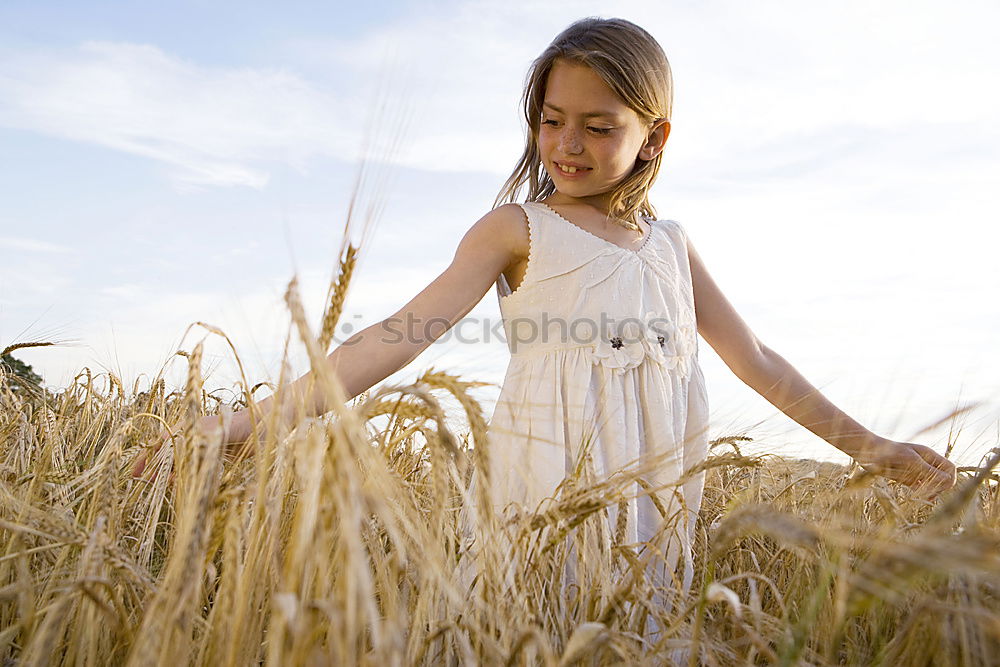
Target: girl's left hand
x,y
917,466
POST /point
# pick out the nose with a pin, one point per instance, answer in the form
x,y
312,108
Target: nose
x,y
569,141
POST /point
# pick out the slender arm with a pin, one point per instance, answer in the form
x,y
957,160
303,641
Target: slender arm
x,y
774,378
360,362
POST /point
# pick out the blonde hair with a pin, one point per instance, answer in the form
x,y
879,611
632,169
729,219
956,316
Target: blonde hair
x,y
634,66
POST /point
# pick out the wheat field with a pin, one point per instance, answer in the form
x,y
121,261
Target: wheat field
x,y
339,543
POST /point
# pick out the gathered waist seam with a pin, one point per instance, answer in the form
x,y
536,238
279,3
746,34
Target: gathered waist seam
x,y
535,351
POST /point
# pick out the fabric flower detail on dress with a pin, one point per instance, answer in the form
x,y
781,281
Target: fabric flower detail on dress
x,y
656,337
684,345
622,350
671,345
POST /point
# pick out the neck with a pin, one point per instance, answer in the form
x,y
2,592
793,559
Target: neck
x,y
600,203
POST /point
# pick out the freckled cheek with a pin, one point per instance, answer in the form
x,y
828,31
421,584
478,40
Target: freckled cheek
x,y
546,144
616,162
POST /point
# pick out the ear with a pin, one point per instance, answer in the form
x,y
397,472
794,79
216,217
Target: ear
x,y
656,140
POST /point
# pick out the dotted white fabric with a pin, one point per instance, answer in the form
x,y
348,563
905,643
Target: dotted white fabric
x,y
611,396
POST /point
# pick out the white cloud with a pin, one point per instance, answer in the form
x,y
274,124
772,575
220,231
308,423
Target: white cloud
x,y
123,292
457,75
212,125
30,245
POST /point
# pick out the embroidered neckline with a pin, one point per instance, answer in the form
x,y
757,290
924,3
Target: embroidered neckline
x,y
559,215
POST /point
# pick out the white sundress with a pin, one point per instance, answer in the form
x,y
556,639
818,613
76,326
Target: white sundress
x,y
604,350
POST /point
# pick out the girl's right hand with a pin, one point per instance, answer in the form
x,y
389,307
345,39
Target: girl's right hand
x,y
235,436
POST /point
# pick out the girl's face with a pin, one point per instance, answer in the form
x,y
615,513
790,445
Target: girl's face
x,y
589,139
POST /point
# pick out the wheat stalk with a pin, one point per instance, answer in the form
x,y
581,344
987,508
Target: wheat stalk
x,y
20,346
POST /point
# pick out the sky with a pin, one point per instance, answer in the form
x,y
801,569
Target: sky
x,y
835,165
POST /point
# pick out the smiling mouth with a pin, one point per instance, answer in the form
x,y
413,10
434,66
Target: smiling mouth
x,y
570,170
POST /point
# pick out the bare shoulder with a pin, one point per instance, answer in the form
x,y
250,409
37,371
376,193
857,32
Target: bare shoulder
x,y
488,247
509,226
496,241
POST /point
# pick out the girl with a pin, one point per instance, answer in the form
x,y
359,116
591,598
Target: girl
x,y
601,301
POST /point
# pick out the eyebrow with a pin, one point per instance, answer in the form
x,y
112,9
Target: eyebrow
x,y
591,114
